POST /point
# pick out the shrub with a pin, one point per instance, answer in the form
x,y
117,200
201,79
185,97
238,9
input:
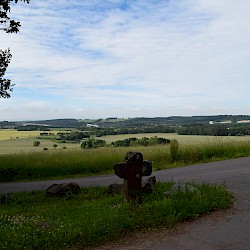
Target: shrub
x,y
36,143
93,143
174,144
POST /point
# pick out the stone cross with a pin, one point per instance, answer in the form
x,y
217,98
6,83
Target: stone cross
x,y
132,171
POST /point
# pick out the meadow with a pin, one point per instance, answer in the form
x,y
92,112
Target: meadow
x,y
183,139
58,163
35,221
13,141
11,134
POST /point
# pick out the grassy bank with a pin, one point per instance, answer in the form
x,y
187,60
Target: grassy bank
x,y
34,221
67,163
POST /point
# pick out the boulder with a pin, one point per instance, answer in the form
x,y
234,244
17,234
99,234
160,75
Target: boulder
x,y
115,189
63,189
6,198
148,185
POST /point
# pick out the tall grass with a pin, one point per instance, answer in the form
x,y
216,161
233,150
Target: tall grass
x,y
68,163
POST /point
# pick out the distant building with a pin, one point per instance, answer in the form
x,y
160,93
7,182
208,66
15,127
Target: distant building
x,y
244,121
224,122
92,125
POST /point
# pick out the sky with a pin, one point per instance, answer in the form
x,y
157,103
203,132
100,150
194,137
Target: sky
x,y
128,58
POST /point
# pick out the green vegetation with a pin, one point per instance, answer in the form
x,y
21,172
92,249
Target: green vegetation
x,y
93,143
25,145
182,139
36,143
34,221
145,141
54,164
174,145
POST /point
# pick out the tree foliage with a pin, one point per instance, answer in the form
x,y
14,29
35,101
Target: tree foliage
x,y
93,143
5,84
7,25
145,141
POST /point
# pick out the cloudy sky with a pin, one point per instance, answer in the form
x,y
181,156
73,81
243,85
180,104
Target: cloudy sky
x,y
128,58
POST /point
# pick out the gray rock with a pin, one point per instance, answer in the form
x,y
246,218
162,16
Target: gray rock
x,y
115,189
6,198
63,189
148,185
180,187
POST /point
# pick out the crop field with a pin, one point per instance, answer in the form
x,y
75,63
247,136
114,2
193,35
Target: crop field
x,y
13,141
183,139
21,160
25,145
59,163
11,134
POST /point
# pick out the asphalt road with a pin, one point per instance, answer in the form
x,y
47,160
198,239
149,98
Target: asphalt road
x,y
234,173
223,230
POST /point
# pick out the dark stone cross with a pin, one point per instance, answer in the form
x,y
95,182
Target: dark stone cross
x,y
132,171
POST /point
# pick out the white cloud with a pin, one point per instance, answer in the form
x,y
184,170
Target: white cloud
x,y
145,58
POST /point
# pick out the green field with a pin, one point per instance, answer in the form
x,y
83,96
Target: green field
x,y
13,141
56,163
183,139
25,145
20,160
11,134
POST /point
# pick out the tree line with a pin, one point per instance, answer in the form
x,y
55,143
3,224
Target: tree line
x,y
215,130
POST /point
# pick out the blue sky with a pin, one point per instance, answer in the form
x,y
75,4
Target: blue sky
x,y
134,58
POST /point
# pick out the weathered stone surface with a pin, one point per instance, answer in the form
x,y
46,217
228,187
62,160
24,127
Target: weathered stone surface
x,y
133,158
146,168
6,198
132,171
180,187
121,169
148,185
63,189
115,189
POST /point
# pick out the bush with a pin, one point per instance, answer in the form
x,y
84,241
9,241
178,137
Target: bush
x,y
145,141
36,143
174,144
93,143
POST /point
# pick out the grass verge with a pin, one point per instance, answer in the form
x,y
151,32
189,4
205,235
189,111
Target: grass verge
x,y
34,221
73,163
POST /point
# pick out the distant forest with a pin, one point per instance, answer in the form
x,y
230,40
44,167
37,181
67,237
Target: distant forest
x,y
222,125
